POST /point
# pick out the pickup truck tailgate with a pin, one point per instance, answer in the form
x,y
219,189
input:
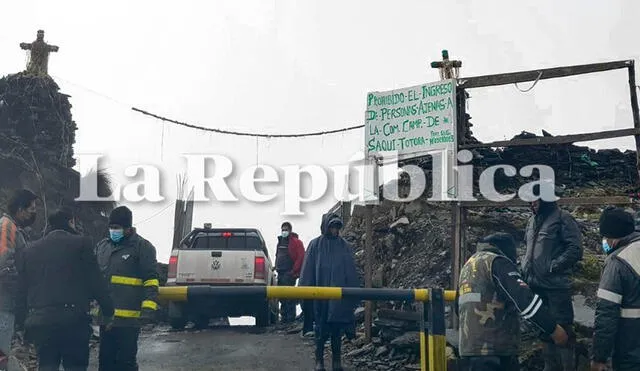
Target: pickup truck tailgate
x,y
216,259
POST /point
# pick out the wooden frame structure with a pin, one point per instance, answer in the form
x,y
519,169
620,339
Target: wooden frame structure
x,y
459,208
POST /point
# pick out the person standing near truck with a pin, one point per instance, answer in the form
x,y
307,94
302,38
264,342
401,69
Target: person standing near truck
x,y
57,278
289,258
129,264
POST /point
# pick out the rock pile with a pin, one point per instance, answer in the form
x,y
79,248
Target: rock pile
x,y
412,241
37,134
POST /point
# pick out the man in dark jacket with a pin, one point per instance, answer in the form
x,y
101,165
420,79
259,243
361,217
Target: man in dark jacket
x,y
129,264
490,298
330,262
618,308
289,258
13,241
57,278
554,246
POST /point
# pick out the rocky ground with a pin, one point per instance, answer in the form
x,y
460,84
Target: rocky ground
x,y
412,242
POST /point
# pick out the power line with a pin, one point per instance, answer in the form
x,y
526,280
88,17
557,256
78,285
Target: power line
x,y
214,130
156,214
220,131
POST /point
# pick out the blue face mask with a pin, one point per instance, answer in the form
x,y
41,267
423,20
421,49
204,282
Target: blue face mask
x,y
116,234
605,246
285,234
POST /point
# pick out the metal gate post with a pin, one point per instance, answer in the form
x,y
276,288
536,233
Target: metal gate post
x,y
437,339
423,336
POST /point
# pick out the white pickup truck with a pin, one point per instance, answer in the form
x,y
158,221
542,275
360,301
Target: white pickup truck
x,y
221,257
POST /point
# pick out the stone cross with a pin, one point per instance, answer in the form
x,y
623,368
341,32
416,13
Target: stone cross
x,y
448,69
39,58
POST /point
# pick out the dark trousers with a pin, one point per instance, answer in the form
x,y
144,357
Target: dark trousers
x,y
66,344
560,305
491,363
287,307
119,349
324,333
307,316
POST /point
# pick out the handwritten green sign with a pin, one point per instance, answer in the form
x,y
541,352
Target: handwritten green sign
x,y
413,122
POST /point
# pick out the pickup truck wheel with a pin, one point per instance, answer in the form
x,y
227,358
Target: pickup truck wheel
x,y
274,311
178,323
177,318
202,322
263,317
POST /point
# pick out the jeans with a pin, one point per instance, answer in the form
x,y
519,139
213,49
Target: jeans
x,y
287,307
560,305
119,349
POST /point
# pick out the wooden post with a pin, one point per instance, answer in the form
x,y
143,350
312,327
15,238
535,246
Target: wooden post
x,y
456,251
450,69
634,110
368,254
368,264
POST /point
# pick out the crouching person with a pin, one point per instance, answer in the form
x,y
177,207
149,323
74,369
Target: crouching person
x,y
491,296
57,278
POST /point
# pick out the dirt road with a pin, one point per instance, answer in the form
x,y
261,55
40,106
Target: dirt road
x,y
221,348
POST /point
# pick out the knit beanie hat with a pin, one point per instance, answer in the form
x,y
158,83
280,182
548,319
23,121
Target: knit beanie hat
x,y
121,216
616,223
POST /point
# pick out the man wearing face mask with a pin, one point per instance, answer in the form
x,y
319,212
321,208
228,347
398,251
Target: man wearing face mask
x,y
554,246
128,262
618,308
289,257
490,298
13,240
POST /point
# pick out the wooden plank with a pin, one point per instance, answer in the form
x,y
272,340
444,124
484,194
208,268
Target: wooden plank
x,y
560,139
540,74
569,201
400,315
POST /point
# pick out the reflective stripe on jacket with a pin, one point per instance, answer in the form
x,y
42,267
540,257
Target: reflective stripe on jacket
x,y
130,267
617,320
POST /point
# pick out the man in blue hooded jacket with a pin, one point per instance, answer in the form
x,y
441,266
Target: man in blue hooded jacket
x,y
330,262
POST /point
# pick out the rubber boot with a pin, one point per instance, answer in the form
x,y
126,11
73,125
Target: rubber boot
x,y
336,353
319,354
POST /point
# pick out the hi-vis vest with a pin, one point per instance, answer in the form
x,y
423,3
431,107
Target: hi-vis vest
x,y
488,326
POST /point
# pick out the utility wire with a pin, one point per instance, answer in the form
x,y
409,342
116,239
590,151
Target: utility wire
x,y
214,130
156,214
220,131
